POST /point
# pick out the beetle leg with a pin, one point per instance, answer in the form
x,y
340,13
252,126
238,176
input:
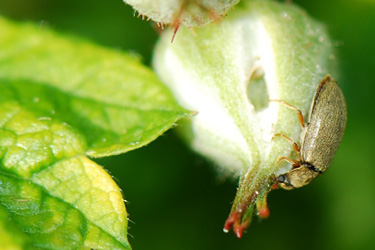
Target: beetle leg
x,y
295,145
299,112
295,163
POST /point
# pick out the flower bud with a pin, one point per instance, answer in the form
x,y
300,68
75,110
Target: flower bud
x,y
189,13
229,72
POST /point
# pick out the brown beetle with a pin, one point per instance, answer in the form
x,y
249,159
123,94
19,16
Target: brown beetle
x,y
321,137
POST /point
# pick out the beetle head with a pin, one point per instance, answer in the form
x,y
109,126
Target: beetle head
x,y
297,177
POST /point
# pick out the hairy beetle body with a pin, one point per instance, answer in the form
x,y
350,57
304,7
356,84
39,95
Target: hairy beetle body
x,y
321,137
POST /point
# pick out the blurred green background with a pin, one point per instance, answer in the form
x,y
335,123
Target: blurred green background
x,y
176,200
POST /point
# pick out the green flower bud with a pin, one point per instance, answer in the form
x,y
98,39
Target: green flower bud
x,y
189,13
228,72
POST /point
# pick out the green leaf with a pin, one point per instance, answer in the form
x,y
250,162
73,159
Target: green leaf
x,y
11,237
55,196
72,205
60,100
115,102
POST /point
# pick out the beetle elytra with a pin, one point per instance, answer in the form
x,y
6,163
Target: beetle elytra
x,y
321,136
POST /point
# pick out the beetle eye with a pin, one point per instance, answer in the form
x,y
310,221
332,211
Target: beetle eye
x,y
281,178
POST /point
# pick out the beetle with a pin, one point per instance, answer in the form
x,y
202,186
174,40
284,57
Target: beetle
x,y
321,136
